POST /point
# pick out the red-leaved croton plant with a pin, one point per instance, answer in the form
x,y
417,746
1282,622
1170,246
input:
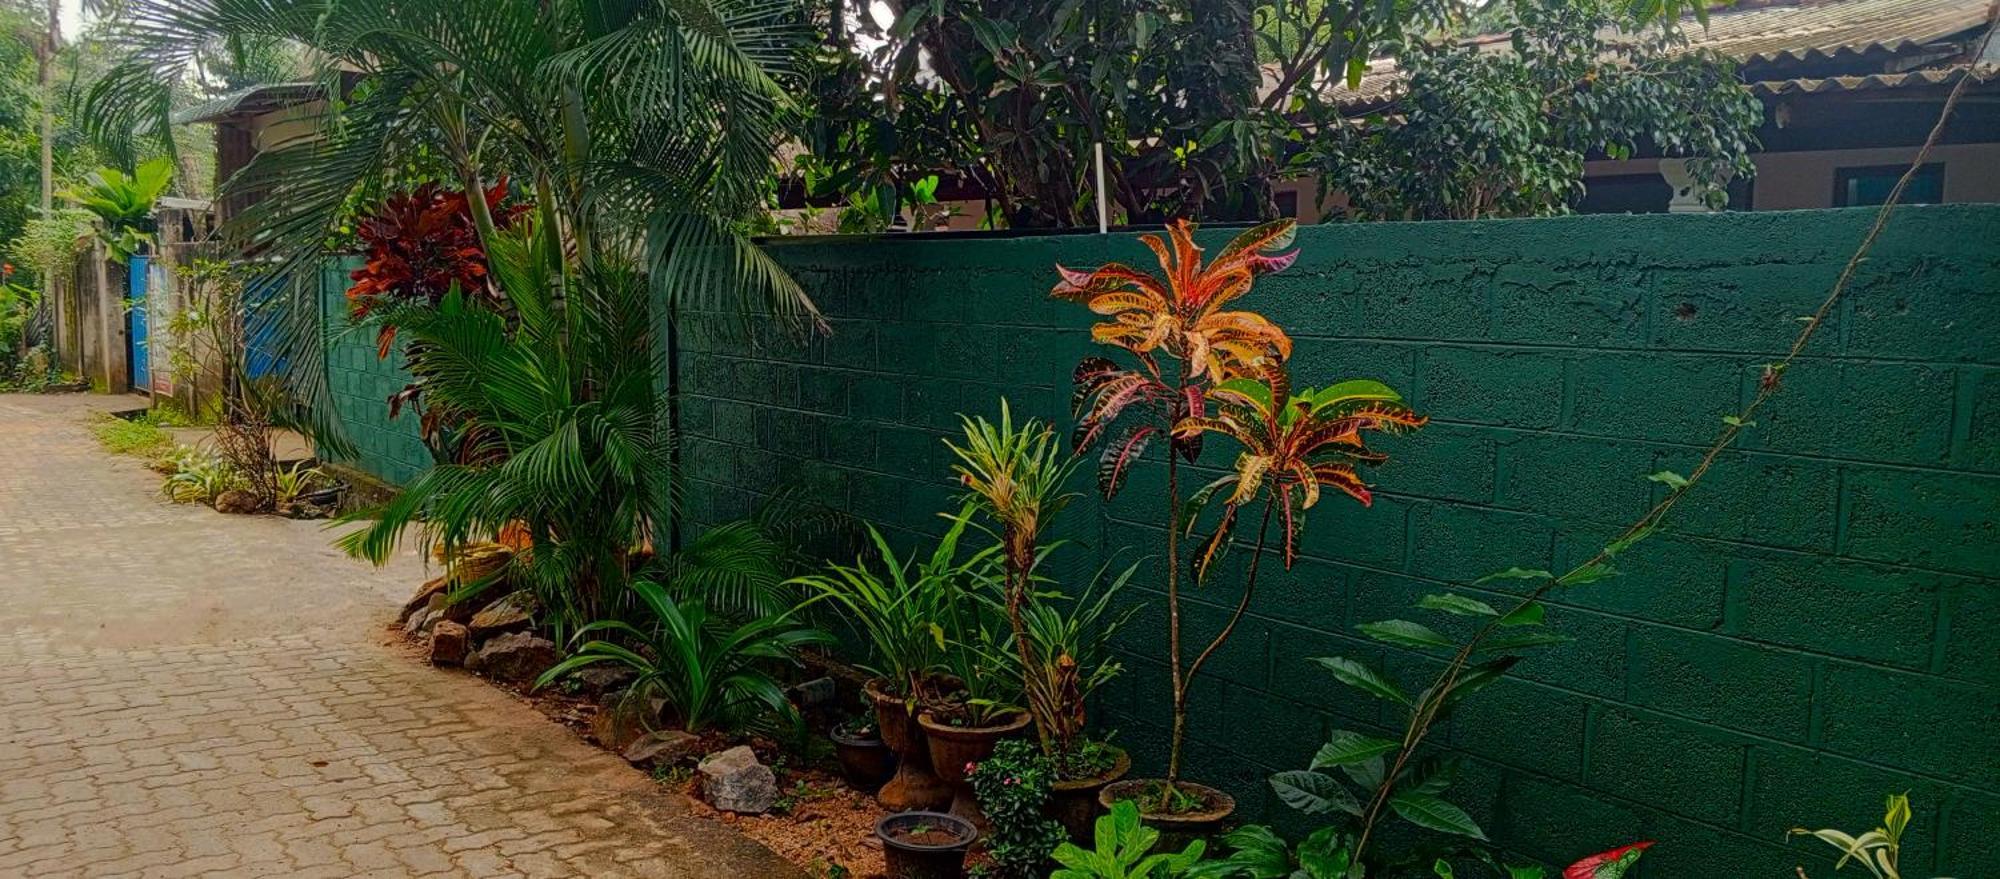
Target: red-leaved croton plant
x,y
1607,864
1292,444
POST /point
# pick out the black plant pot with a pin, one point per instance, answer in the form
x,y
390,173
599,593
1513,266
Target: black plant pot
x,y
925,845
864,760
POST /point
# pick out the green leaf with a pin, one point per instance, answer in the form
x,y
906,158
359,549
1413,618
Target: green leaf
x,y
1427,811
1528,872
1587,574
1451,602
1346,747
1367,773
1669,479
1734,421
1529,614
1442,868
1313,793
1404,633
1516,574
1362,677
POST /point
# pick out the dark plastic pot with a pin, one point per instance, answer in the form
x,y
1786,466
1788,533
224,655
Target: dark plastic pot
x,y
1177,829
1074,802
864,760
955,747
937,854
914,786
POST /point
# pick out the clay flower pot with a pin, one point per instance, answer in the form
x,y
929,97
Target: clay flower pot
x,y
864,760
1179,828
1073,802
925,845
954,748
914,785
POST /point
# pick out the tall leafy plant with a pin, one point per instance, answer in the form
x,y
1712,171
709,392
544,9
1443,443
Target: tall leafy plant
x,y
549,422
1190,351
1015,474
646,131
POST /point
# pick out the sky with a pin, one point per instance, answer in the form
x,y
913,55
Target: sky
x,y
72,18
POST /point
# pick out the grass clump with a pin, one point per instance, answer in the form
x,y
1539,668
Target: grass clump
x,y
141,438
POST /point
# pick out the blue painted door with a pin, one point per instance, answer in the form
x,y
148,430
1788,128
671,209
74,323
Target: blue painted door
x,y
137,348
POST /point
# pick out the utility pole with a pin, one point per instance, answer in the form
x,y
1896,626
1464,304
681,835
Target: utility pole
x,y
45,66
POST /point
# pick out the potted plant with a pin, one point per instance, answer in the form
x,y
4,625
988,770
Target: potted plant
x,y
898,614
865,761
925,845
1016,474
963,727
1191,353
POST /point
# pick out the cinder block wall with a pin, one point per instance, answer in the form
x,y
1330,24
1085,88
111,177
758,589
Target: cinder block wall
x,y
1819,626
361,382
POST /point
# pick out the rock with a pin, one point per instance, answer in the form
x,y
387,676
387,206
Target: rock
x,y
515,613
236,501
618,724
422,600
815,694
449,643
516,656
661,746
596,680
734,781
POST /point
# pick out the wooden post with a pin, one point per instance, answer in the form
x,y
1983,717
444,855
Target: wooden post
x,y
113,369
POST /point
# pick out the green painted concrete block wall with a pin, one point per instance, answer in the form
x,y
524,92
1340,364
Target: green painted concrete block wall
x,y
1819,627
361,383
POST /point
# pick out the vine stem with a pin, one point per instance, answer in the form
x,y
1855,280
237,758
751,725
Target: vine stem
x,y
1179,681
1425,713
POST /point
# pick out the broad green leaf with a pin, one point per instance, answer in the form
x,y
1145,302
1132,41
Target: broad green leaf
x,y
1362,677
1451,602
1516,574
1442,868
1528,872
1350,747
1529,614
1313,793
1405,634
1367,773
1669,479
1427,811
1475,679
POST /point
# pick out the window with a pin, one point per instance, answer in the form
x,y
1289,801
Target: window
x,y
1625,194
1855,187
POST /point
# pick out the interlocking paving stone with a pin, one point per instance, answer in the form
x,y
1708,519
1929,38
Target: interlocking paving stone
x,y
184,693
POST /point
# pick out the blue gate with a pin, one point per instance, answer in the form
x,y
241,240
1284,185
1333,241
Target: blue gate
x,y
136,347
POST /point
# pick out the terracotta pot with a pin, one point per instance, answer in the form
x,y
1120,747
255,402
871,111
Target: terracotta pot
x,y
1178,829
937,851
955,747
914,785
864,760
1074,802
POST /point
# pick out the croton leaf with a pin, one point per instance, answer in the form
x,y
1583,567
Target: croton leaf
x,y
1313,793
1190,404
1117,458
1611,864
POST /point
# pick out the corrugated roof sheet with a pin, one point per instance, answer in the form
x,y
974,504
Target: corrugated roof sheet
x,y
250,101
1762,35
1911,79
1817,30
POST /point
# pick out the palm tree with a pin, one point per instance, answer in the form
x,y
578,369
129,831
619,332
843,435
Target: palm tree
x,y
643,129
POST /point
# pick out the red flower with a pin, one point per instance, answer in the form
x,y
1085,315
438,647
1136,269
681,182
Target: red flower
x,y
971,768
1608,864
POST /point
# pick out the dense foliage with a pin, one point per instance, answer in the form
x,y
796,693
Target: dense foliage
x,y
1013,788
1202,105
1483,133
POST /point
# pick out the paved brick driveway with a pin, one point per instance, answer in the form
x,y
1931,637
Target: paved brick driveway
x,y
188,694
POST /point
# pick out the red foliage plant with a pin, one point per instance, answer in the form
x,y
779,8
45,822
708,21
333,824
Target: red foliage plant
x,y
419,244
